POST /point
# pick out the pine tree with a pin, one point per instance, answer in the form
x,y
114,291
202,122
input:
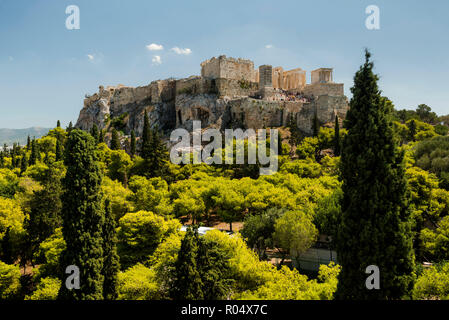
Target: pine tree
x,y
188,284
83,217
375,223
337,140
133,144
115,141
58,124
111,264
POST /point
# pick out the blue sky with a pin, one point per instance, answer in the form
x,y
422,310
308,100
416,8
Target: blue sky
x,y
45,69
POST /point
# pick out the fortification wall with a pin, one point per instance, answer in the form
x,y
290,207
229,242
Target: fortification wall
x,y
235,88
318,89
229,68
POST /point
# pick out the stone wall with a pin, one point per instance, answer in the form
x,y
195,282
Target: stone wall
x,y
318,89
228,68
235,88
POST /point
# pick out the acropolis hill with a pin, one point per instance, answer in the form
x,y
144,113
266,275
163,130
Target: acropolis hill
x,y
230,93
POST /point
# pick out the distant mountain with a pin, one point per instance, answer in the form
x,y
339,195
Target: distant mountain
x,y
9,136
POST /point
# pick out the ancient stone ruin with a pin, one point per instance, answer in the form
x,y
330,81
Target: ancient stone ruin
x,y
230,93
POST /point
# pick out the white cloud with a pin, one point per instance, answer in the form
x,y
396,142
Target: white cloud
x,y
156,60
155,47
185,51
269,46
90,57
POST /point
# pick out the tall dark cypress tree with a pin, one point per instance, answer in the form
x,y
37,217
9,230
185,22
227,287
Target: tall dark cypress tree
x,y
70,127
146,138
158,154
337,140
188,284
58,124
133,144
375,227
28,143
412,130
111,264
59,152
316,125
83,218
101,136
45,214
94,132
33,156
6,247
115,141
23,163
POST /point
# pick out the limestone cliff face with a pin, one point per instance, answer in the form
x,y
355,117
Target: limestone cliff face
x,y
219,103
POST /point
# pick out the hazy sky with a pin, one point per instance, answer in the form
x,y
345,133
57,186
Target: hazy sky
x,y
46,69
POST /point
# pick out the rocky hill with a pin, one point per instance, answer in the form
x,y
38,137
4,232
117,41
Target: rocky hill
x,y
222,99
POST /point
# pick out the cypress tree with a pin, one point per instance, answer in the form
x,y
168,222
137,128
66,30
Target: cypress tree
x,y
28,143
70,127
82,217
6,246
59,153
133,144
13,159
146,138
158,154
58,124
337,140
46,205
101,136
375,223
115,141
34,152
188,284
213,267
2,159
23,163
111,264
94,132
412,130
316,125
